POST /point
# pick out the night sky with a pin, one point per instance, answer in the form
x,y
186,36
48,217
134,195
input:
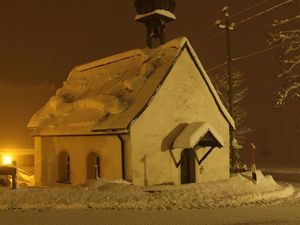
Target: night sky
x,y
41,41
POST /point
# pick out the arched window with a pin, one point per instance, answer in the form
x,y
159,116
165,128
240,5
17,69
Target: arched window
x,y
93,166
64,173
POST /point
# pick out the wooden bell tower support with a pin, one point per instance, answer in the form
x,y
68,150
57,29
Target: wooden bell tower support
x,y
156,29
155,14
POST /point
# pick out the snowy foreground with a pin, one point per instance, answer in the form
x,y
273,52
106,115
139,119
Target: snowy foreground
x,y
235,201
238,191
225,216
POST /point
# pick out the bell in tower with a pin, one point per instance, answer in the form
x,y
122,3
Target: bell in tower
x,y
155,14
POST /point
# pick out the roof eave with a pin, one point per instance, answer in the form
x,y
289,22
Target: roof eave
x,y
45,133
213,91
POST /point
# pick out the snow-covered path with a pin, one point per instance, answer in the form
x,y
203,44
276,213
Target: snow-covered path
x,y
235,192
282,212
234,202
274,215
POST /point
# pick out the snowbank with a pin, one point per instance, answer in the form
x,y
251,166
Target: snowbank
x,y
103,194
24,178
282,170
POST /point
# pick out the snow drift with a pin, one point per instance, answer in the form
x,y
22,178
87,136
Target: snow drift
x,y
237,191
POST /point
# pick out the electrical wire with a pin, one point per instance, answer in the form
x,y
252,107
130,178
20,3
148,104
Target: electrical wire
x,y
235,14
255,53
211,37
218,66
245,10
243,57
263,12
243,21
240,12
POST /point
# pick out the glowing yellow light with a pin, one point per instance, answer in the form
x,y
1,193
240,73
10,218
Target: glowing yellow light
x,y
7,160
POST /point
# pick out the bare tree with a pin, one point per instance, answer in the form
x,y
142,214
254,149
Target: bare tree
x,y
286,35
239,114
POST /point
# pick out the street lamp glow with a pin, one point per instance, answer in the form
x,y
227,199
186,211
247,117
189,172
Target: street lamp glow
x,y
7,160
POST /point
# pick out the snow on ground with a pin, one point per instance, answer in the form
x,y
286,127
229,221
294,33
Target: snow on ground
x,y
224,216
282,170
290,175
205,204
25,178
237,191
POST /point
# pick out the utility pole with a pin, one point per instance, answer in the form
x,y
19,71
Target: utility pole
x,y
228,26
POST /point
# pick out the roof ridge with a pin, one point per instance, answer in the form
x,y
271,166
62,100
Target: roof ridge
x,y
108,60
127,54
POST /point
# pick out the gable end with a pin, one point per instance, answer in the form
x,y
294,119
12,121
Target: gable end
x,y
221,107
159,86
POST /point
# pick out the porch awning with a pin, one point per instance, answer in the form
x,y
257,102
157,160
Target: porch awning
x,y
198,134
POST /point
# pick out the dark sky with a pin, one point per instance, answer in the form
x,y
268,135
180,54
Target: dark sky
x,y
41,41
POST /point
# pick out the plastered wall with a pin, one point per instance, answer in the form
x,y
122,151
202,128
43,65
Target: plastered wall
x,y
183,98
47,150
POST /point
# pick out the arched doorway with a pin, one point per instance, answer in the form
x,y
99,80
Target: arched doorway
x,y
188,166
93,166
64,173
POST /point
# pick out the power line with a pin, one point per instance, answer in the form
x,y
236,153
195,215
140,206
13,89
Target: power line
x,y
211,37
247,9
218,66
242,21
243,57
255,53
240,12
264,12
235,14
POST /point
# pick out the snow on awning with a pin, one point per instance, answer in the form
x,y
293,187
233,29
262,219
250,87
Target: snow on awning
x,y
160,12
201,134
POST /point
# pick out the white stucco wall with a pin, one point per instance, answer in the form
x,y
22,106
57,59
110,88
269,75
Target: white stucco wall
x,y
47,150
183,98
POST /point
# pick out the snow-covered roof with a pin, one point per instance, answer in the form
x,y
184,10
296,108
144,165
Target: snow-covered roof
x,y
160,12
17,151
106,95
193,134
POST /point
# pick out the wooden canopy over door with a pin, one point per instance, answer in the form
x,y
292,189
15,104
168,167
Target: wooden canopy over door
x,y
193,137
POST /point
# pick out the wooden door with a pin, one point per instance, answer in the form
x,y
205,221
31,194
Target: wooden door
x,y
188,166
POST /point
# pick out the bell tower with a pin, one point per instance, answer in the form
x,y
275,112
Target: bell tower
x,y
155,14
